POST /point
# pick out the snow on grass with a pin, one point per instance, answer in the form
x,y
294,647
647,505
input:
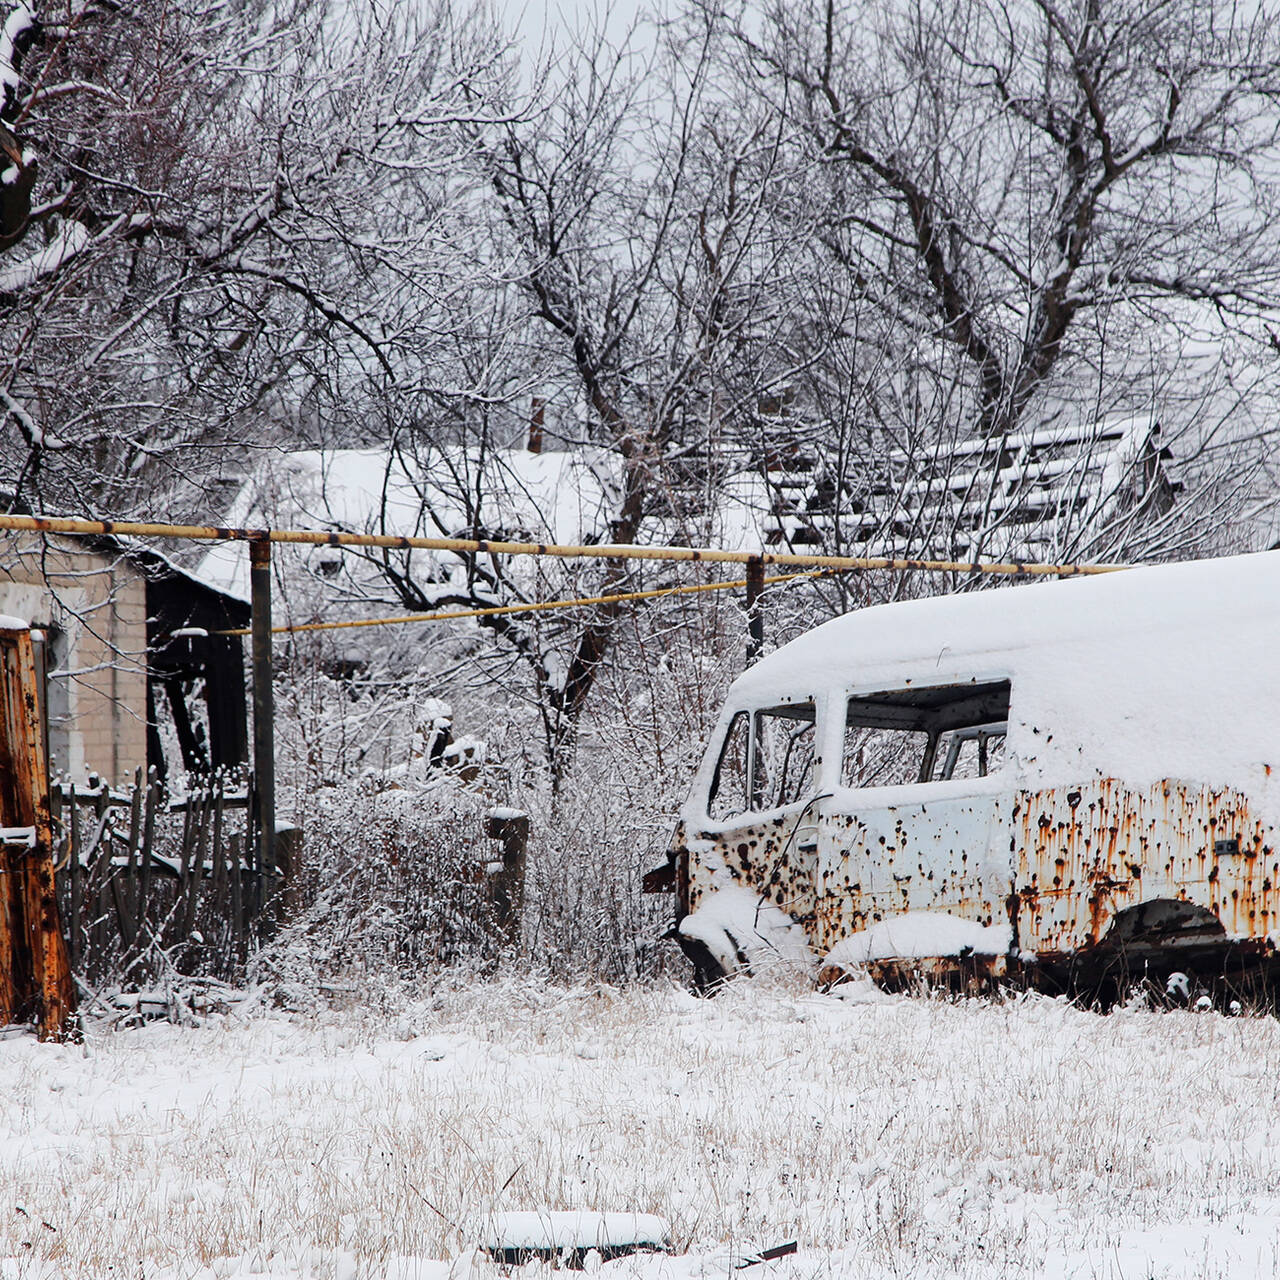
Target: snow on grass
x,y
887,1137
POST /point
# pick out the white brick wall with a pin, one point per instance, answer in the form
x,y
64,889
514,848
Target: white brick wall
x,y
100,602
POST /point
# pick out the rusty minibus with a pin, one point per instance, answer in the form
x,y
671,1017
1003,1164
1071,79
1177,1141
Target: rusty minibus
x,y
1057,779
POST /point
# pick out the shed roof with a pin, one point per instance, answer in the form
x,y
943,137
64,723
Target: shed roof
x,y
557,496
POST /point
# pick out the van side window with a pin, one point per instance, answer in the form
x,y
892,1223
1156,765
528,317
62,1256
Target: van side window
x,y
784,755
925,735
729,786
971,753
876,757
766,761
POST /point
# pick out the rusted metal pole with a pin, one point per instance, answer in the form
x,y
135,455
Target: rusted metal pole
x,y
755,615
487,546
264,736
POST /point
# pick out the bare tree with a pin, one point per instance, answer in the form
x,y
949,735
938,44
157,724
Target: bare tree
x,y
225,239
634,204
1015,171
1037,214
861,257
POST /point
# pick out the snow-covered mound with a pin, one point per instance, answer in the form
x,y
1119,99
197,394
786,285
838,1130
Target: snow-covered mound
x,y
742,930
918,935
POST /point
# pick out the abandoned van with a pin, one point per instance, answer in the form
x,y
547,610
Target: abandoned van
x,y
1065,779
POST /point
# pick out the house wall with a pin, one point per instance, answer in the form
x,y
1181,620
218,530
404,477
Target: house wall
x,y
92,604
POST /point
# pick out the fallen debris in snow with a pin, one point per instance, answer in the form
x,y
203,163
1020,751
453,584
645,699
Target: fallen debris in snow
x,y
517,1238
767,1255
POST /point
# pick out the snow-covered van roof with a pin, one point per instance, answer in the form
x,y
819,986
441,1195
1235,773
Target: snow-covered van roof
x,y
1141,674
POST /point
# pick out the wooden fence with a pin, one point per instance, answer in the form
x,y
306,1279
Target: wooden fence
x,y
146,883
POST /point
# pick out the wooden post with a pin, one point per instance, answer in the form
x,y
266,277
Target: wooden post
x,y
506,887
755,616
264,743
35,977
289,854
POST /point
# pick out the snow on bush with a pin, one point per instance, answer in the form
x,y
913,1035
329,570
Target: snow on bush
x,y
392,883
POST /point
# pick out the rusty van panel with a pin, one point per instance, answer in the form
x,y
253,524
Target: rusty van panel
x,y
1085,853
835,872
760,855
1058,864
934,855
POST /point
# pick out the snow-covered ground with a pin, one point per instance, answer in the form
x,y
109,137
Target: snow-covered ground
x,y
887,1137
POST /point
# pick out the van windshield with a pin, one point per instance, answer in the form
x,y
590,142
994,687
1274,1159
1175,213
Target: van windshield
x,y
925,735
767,760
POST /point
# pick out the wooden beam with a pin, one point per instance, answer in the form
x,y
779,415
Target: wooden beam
x,y
35,976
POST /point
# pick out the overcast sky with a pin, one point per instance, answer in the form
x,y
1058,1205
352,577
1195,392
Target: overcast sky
x,y
538,21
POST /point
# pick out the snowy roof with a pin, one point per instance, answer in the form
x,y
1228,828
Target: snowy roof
x,y
1147,673
155,564
1024,484
559,497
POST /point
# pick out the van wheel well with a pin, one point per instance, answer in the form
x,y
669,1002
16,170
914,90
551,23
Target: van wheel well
x,y
1173,953
1161,924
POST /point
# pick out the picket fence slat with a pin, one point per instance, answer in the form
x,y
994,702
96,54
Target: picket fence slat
x,y
75,922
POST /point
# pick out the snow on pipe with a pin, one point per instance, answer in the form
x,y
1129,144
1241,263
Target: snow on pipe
x,y
485,546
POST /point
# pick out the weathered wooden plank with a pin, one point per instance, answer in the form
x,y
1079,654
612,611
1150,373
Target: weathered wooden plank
x,y
235,868
194,867
116,877
75,869
150,802
133,856
8,926
218,872
39,956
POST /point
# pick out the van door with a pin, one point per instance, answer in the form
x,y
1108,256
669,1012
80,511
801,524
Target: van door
x,y
761,807
912,824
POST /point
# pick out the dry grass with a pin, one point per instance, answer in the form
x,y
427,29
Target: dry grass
x,y
914,1137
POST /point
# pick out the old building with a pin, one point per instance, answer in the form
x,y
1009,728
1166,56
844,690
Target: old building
x,y
121,691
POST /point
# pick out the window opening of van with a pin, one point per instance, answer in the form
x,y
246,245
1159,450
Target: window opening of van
x,y
973,752
729,785
767,761
783,756
925,735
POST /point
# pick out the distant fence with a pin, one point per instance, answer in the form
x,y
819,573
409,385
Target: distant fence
x,y
144,882
149,886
